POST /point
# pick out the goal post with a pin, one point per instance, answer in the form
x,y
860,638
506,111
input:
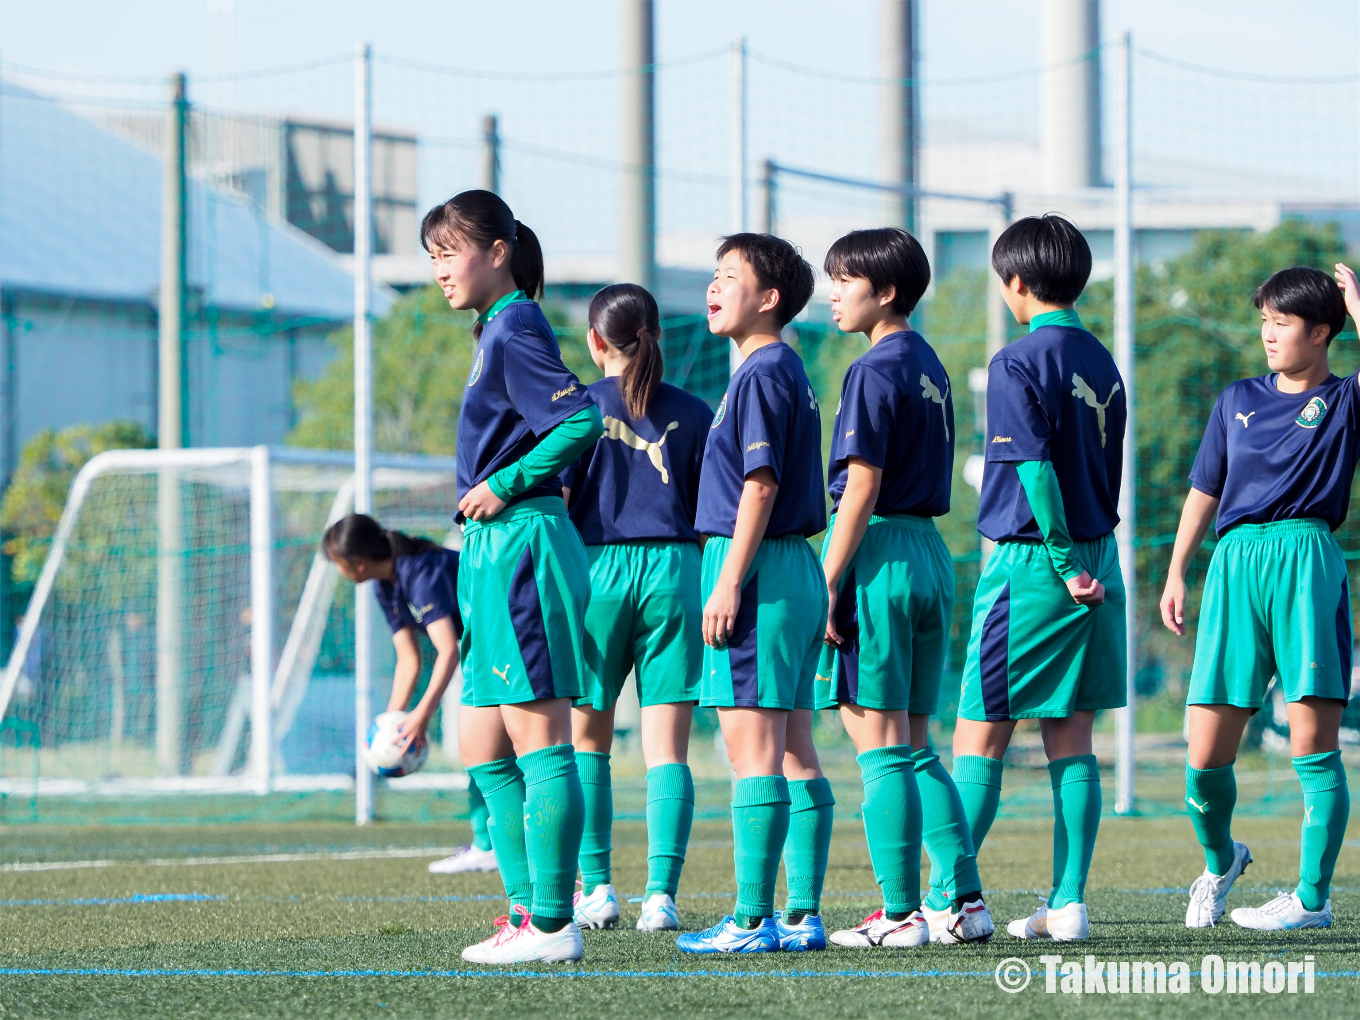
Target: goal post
x,y
254,717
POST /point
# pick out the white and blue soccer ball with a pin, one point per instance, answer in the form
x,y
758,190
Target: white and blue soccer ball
x,y
382,748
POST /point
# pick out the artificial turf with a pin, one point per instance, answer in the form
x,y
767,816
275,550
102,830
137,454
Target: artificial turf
x,y
309,933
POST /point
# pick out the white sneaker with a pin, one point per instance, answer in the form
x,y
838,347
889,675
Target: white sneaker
x,y
469,858
659,914
876,930
1283,913
598,910
938,920
1209,893
970,926
1062,924
526,944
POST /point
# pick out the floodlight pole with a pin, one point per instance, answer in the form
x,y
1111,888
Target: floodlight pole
x,y
1124,355
899,148
738,125
637,206
491,154
363,423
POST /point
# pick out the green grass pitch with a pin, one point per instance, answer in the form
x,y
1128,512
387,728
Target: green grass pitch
x,y
147,933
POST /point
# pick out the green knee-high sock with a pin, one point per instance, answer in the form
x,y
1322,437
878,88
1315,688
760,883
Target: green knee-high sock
x,y
808,845
502,785
1076,810
670,813
593,769
1210,795
978,780
945,833
892,826
554,814
760,824
477,816
1326,809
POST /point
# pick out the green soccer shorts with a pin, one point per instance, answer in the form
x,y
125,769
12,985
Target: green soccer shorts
x,y
523,585
644,615
893,610
1033,652
771,657
1276,600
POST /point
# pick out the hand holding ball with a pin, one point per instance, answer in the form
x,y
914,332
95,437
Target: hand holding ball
x,y
383,748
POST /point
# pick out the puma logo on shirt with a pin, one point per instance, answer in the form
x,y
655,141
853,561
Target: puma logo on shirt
x,y
1244,418
615,429
932,393
1082,391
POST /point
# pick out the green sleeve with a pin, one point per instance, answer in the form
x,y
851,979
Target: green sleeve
x,y
560,447
1040,483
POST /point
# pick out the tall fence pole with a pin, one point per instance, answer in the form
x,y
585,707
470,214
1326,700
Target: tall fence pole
x,y
171,435
491,154
363,423
637,249
738,126
900,110
261,619
1125,761
769,193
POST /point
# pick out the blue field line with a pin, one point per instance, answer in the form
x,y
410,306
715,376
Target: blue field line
x,y
106,901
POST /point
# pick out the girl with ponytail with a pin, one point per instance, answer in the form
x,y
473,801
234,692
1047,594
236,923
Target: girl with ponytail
x,y
416,584
524,578
632,496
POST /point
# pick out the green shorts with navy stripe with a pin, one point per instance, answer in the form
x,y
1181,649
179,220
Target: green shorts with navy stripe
x,y
523,585
771,658
644,616
1276,601
893,611
1034,653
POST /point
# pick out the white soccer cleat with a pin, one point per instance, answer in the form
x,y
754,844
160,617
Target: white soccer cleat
x,y
1209,893
938,920
659,914
876,930
598,910
468,858
970,926
526,944
1061,924
1283,913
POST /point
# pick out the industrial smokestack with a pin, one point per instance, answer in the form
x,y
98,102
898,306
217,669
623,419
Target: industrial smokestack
x,y
1071,94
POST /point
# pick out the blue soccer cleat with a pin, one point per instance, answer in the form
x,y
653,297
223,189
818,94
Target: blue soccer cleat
x,y
807,935
728,937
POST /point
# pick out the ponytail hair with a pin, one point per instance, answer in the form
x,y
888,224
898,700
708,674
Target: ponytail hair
x,y
481,218
627,317
360,537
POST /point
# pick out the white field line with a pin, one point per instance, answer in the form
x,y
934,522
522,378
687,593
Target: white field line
x,y
387,853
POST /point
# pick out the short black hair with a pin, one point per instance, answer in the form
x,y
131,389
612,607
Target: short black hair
x,y
1309,293
886,257
778,265
1049,255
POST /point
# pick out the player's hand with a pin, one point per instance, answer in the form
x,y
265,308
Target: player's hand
x,y
1173,604
1086,590
413,729
833,636
481,503
1350,289
720,613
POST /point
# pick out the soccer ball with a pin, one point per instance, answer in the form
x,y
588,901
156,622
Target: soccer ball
x,y
382,747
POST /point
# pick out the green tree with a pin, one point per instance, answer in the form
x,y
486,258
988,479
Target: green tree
x,y
37,491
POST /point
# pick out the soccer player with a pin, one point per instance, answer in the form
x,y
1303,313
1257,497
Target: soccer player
x,y
890,583
1275,467
1048,637
417,589
632,496
523,581
760,496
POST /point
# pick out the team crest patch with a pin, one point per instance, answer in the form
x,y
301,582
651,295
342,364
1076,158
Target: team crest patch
x,y
476,368
1312,414
722,413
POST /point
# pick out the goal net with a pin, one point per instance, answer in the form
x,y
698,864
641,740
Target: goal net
x,y
185,636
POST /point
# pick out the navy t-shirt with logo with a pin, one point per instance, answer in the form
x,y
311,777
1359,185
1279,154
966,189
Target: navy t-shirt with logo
x,y
640,480
897,413
1273,456
517,392
767,418
426,590
1054,395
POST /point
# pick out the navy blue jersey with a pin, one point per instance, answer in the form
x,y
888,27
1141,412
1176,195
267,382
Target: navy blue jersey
x,y
767,418
426,590
641,478
517,392
1054,395
897,413
1272,456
